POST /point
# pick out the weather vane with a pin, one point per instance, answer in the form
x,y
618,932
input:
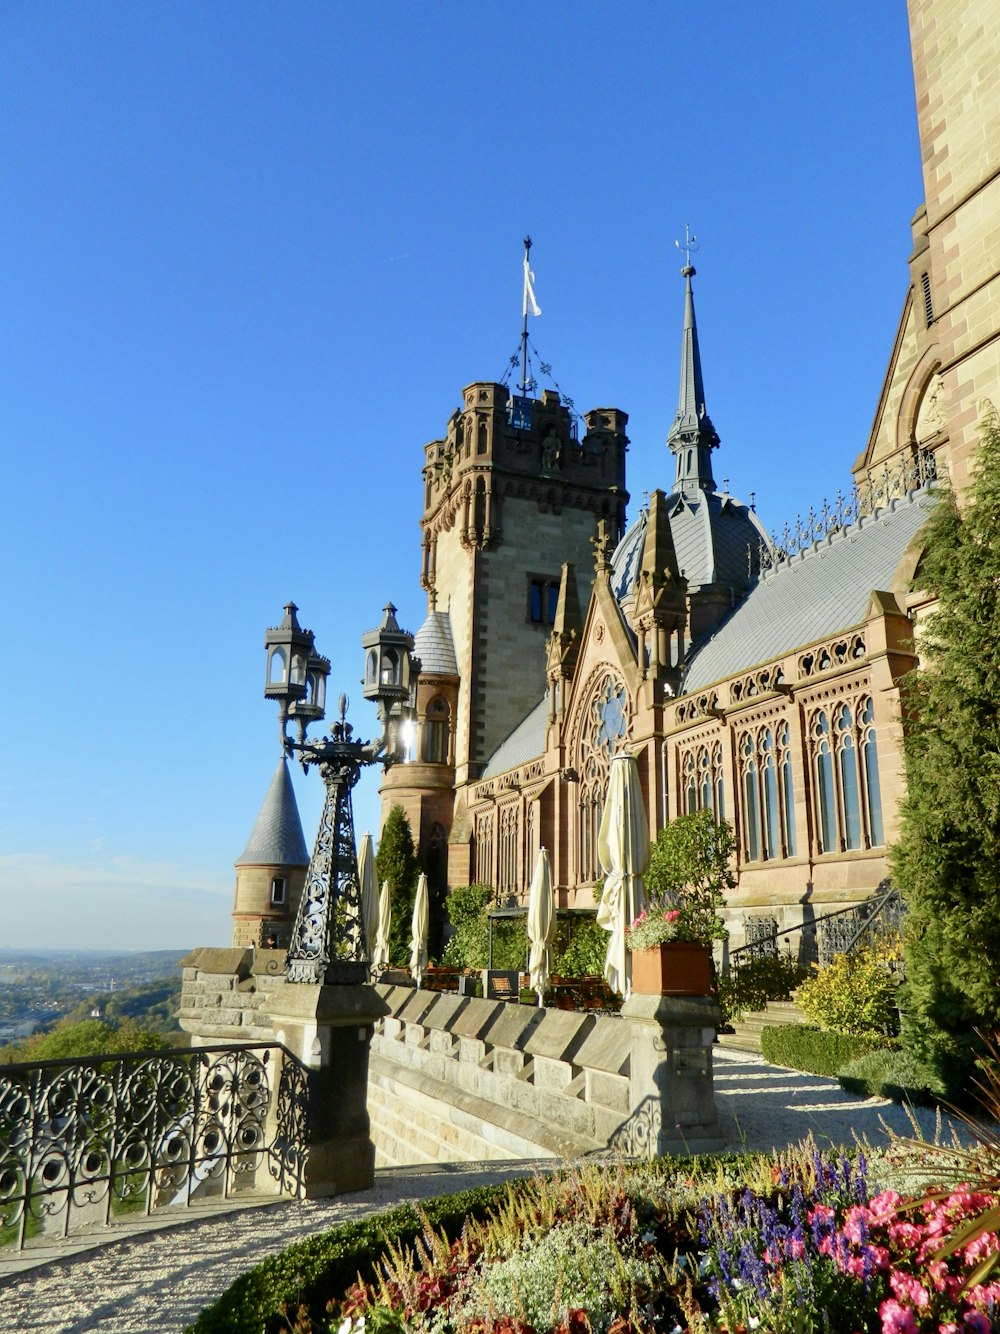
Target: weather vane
x,y
687,245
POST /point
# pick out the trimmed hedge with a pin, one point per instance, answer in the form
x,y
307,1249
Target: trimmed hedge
x,y
816,1050
309,1271
892,1074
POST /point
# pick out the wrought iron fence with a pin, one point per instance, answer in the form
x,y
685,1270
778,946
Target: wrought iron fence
x,y
877,920
83,1142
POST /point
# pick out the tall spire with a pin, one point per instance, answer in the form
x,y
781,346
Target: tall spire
x,y
692,437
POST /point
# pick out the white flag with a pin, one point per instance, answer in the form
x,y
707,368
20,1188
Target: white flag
x,y
529,302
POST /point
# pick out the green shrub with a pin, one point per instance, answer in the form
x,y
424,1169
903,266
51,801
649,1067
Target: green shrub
x,y
311,1270
815,1050
749,987
854,994
898,1075
585,954
467,906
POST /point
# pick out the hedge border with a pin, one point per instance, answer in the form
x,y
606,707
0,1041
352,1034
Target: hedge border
x,y
308,1271
817,1051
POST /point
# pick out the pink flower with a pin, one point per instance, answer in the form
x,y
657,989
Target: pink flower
x,y
907,1288
896,1319
980,1248
672,915
905,1236
883,1207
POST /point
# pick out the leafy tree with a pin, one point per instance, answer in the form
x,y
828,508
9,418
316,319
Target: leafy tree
x,y
690,868
396,862
947,861
467,906
88,1037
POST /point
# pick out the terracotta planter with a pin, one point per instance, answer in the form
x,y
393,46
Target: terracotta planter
x,y
677,969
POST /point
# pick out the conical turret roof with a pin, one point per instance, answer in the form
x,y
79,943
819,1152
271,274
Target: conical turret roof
x,y
276,838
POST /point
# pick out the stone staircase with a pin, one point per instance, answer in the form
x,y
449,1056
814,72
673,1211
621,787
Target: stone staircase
x,y
748,1030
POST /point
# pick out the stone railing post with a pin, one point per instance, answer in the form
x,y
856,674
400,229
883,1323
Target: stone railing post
x,y
328,1028
672,1103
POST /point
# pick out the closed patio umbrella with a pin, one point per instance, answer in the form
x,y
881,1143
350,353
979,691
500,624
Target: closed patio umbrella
x,y
369,895
541,924
623,849
418,938
380,959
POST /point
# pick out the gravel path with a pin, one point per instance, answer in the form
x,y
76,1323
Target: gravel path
x,y
157,1283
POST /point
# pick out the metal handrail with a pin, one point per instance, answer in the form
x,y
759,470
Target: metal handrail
x,y
876,904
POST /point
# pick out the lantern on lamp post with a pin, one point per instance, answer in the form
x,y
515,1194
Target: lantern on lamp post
x,y
327,941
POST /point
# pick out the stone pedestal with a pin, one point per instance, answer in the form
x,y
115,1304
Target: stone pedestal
x,y
670,1065
328,1028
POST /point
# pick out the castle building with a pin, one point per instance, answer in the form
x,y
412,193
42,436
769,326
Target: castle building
x,y
759,679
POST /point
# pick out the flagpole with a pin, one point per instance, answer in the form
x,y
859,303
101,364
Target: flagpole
x,y
524,326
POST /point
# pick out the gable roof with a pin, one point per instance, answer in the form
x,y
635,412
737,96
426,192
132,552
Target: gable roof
x,y
818,593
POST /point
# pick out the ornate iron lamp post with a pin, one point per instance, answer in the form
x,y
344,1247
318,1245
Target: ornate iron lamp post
x,y
327,943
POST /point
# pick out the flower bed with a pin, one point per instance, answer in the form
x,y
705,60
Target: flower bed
x,y
801,1242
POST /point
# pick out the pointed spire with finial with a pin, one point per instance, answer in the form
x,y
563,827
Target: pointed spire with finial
x,y
692,437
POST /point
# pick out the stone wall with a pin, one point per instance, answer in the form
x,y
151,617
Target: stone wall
x,y
224,994
455,1078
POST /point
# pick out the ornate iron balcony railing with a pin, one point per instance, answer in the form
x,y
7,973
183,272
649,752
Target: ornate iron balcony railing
x,y
83,1142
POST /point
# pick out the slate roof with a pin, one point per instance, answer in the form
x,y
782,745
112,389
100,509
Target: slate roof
x,y
819,593
276,838
716,539
434,646
526,742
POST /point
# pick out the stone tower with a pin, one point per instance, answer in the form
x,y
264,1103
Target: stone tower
x,y
505,505
271,872
511,493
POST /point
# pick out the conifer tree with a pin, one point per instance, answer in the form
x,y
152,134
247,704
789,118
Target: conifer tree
x,y
947,862
396,862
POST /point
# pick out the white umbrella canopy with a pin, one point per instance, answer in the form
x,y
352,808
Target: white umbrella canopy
x,y
418,938
623,848
541,924
369,894
380,958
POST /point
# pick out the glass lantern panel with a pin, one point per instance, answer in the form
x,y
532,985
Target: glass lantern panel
x,y
277,670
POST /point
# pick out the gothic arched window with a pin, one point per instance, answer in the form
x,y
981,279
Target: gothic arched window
x,y
604,726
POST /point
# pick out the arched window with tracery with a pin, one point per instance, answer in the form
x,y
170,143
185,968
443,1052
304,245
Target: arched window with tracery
x,y
507,860
869,763
845,773
786,789
604,727
702,780
766,819
483,848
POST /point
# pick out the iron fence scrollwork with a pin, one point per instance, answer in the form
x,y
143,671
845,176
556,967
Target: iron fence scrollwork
x,y
83,1142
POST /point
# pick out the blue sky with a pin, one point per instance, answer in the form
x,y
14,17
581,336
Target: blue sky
x,y
251,252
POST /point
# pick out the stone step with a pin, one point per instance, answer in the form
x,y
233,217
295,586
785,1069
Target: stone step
x,y
746,1036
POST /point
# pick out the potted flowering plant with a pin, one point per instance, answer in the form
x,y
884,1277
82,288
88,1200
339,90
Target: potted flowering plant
x,y
668,956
